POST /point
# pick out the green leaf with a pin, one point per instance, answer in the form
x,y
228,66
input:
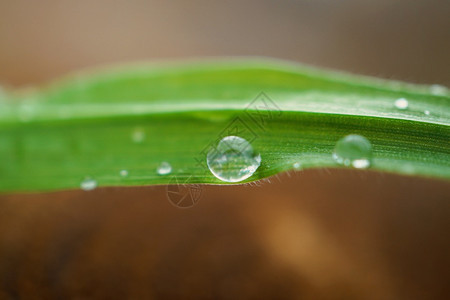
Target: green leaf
x,y
96,123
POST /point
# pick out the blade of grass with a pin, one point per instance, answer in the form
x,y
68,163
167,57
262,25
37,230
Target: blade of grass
x,y
94,124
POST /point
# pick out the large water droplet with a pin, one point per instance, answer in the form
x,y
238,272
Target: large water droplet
x,y
164,168
353,150
401,103
233,159
88,184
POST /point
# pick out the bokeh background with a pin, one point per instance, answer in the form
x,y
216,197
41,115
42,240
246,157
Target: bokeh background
x,y
316,234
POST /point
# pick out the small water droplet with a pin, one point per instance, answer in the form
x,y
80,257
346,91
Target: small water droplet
x,y
138,135
438,90
123,173
233,159
427,112
88,184
164,168
297,166
401,103
353,150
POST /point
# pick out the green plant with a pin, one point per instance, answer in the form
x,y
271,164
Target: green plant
x,y
118,125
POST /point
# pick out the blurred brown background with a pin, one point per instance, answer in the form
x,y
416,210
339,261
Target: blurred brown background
x,y
320,234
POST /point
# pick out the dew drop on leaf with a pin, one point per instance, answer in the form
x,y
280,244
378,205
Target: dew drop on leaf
x,y
88,184
401,103
353,151
233,159
164,168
